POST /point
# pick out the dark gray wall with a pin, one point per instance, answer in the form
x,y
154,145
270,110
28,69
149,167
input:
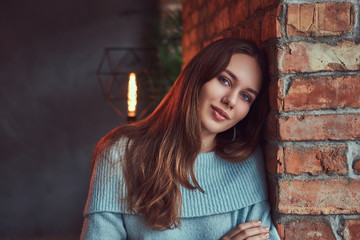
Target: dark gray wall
x,y
52,108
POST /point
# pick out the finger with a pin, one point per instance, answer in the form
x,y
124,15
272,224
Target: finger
x,y
242,227
262,236
252,233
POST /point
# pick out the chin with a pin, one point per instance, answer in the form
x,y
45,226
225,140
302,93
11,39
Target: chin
x,y
214,127
217,130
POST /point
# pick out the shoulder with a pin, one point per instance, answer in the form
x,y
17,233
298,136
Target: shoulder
x,y
108,162
111,151
109,156
107,185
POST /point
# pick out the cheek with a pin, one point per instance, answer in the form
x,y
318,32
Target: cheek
x,y
203,95
242,112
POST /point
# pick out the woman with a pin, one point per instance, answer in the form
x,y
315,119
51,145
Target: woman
x,y
193,168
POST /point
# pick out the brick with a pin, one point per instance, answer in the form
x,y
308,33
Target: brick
x,y
186,41
242,32
211,40
270,27
225,17
186,11
280,229
201,34
315,160
189,53
323,93
187,24
352,229
272,127
213,6
320,19
222,20
356,166
185,57
309,229
239,12
211,28
314,57
235,32
330,196
256,5
251,31
193,35
218,24
339,17
201,2
193,5
274,159
203,14
322,127
222,2
276,99
299,19
228,33
195,18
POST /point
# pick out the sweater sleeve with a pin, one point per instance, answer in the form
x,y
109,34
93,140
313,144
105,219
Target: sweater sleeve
x,y
104,226
259,211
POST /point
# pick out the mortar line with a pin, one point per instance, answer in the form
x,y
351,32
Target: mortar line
x,y
332,74
312,143
336,226
352,154
319,112
315,1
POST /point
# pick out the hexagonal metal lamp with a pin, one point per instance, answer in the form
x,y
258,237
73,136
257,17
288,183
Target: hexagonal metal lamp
x,y
113,74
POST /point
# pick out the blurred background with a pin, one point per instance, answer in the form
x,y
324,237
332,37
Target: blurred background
x,y
53,110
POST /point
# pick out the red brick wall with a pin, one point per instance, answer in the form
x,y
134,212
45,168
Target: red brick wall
x,y
313,150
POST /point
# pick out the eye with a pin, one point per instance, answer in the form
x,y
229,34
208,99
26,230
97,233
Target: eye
x,y
224,80
246,97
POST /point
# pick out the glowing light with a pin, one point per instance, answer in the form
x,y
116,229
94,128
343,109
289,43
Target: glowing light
x,y
132,95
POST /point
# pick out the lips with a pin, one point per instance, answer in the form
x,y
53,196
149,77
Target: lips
x,y
220,114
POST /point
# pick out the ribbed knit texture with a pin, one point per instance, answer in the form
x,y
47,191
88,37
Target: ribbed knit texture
x,y
235,193
107,185
228,186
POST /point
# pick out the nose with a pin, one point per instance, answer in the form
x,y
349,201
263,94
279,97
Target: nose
x,y
229,100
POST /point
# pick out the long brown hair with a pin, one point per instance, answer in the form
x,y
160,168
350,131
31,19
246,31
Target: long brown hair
x,y
161,149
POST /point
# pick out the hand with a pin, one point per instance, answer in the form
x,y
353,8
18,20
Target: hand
x,y
248,231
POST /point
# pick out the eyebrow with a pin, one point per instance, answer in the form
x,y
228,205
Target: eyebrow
x,y
233,76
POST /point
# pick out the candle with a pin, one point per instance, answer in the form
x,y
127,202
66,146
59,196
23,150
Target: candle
x,y
132,96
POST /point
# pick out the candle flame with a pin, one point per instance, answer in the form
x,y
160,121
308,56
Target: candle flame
x,y
132,95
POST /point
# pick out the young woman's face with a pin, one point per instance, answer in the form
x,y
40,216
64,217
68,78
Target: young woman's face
x,y
226,99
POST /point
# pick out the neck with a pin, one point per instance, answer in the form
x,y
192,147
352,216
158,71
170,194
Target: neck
x,y
207,142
